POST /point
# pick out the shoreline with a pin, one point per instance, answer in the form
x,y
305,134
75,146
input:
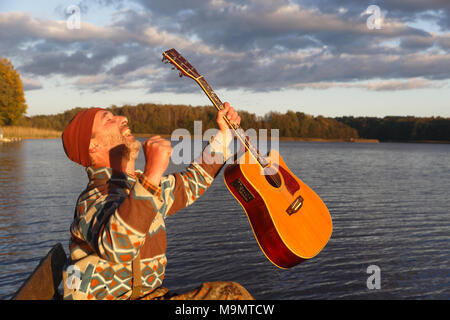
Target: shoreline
x,y
288,139
7,140
353,140
357,140
25,134
21,132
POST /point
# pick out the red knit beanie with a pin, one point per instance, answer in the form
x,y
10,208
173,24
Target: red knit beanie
x,y
77,136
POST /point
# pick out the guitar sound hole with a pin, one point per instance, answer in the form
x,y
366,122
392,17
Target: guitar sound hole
x,y
272,177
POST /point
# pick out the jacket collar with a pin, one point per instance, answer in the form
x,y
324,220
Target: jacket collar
x,y
104,175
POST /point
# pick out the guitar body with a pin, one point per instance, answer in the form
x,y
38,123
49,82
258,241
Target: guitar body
x,y
289,220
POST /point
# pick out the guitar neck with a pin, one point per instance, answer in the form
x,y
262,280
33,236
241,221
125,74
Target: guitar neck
x,y
236,128
186,68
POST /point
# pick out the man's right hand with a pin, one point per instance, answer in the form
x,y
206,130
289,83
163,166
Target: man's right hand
x,y
157,153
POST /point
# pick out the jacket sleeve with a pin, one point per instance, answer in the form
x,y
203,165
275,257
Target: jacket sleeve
x,y
181,189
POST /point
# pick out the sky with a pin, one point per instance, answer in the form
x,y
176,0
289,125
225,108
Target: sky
x,y
321,57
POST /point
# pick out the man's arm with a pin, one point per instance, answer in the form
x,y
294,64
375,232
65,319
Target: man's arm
x,y
158,151
182,189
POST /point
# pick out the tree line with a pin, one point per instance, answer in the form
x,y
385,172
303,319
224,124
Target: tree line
x,y
163,119
400,128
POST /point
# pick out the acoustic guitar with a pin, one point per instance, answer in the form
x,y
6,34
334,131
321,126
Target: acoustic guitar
x,y
289,220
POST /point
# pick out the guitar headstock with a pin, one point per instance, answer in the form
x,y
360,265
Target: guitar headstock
x,y
172,56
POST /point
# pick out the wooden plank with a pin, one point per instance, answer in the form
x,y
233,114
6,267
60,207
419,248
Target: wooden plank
x,y
43,283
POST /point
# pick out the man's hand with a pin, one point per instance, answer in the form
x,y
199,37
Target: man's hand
x,y
157,156
231,115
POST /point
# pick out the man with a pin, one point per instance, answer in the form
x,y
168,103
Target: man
x,y
118,238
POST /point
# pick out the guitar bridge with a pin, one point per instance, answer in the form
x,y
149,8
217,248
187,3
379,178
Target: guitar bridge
x,y
295,206
242,190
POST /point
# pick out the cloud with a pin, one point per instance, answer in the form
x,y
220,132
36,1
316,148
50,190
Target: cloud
x,y
444,42
54,48
248,24
255,45
390,85
31,84
434,10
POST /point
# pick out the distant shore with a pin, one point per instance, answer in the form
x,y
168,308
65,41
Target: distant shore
x,y
15,133
357,140
144,135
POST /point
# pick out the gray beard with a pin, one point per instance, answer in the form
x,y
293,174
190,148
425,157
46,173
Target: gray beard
x,y
123,148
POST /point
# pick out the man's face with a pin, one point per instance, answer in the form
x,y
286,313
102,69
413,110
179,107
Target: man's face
x,y
113,134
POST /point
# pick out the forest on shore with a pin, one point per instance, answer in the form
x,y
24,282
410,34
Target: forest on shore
x,y
164,119
394,128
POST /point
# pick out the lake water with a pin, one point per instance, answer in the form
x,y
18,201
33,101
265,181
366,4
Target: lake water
x,y
389,204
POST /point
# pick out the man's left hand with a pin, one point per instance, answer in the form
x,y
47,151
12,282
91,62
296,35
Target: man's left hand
x,y
232,116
